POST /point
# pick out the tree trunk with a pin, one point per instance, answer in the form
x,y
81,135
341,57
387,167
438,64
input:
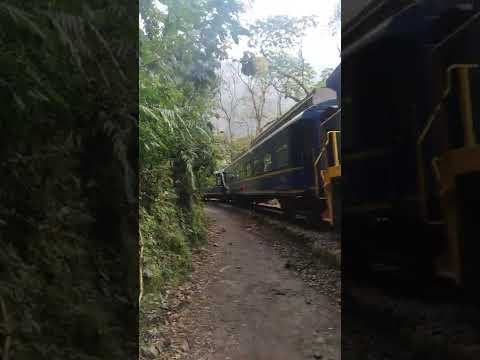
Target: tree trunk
x,y
230,135
279,105
259,126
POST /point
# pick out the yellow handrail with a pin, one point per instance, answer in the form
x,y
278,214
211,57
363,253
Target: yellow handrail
x,y
446,92
468,125
466,107
322,151
335,148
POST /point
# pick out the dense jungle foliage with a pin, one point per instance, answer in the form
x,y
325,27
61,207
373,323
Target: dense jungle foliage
x,y
182,43
68,194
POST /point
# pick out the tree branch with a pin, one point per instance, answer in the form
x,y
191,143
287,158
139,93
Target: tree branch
x,y
286,75
287,94
295,80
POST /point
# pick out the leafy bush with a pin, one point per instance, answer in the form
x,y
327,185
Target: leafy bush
x,y
181,45
68,280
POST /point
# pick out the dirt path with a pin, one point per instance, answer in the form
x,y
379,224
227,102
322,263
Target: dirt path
x,y
242,303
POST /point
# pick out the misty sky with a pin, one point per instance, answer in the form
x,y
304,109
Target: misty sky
x,y
319,47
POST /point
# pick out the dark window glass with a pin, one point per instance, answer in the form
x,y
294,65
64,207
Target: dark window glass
x,y
282,155
267,162
248,169
244,170
258,166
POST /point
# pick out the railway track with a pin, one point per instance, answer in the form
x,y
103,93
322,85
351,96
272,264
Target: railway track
x,y
381,273
304,219
393,313
318,241
427,324
428,317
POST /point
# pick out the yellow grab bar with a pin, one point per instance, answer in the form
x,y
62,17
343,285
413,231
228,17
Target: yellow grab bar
x,y
332,134
469,136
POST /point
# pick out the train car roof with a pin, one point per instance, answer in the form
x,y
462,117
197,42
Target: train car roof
x,y
334,81
315,111
308,114
413,19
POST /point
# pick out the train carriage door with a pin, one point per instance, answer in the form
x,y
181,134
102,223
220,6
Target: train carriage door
x,y
296,140
302,150
281,153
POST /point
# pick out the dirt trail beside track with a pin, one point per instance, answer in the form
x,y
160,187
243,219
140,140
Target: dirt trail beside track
x,y
243,303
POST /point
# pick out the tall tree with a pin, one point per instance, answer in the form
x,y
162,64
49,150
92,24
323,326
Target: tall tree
x,y
228,95
335,23
278,40
335,20
257,80
326,72
182,44
291,75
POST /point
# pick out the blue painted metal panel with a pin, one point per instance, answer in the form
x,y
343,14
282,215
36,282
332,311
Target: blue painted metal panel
x,y
284,182
297,176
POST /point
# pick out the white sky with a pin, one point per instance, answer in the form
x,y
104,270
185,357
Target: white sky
x,y
319,47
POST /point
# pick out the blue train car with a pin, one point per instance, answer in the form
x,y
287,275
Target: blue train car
x,y
280,164
412,162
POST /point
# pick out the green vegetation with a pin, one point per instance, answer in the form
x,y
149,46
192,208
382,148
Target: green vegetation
x,y
181,46
227,151
69,219
68,281
277,41
239,145
273,69
324,75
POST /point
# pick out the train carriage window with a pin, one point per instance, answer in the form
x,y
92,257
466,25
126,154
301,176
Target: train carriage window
x,y
267,162
258,166
281,154
248,169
